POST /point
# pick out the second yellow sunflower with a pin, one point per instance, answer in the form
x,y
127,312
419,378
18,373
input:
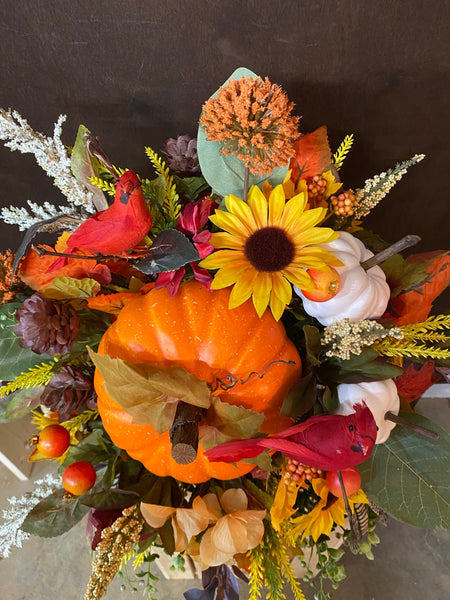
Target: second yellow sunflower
x,y
266,246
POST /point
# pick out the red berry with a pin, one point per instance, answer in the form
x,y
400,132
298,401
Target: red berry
x,y
79,477
53,441
351,479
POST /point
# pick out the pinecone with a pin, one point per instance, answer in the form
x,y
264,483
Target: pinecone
x,y
68,391
182,155
46,326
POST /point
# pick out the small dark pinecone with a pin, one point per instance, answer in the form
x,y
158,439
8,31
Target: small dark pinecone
x,y
69,390
46,326
182,155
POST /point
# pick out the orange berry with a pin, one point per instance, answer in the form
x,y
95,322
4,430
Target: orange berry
x,y
79,477
53,441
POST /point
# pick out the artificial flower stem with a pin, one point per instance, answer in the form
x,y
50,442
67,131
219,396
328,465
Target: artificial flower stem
x,y
246,180
43,252
390,416
184,433
402,244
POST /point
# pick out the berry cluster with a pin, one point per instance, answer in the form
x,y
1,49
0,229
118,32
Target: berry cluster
x,y
299,472
317,188
344,203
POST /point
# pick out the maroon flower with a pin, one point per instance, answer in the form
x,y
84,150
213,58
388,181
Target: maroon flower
x,y
193,217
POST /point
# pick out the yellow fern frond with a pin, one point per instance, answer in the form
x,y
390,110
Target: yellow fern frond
x,y
436,322
171,206
78,423
409,349
341,153
34,377
257,572
106,186
282,558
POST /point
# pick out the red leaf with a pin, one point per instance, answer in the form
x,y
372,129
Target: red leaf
x,y
414,306
312,155
413,383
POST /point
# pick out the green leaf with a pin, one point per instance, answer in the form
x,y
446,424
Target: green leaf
x,y
170,251
112,499
371,240
14,359
407,477
229,422
367,366
54,515
19,403
190,187
83,166
313,347
225,173
300,398
94,448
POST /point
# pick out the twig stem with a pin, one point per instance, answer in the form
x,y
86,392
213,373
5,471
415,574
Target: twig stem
x,y
246,179
390,416
405,242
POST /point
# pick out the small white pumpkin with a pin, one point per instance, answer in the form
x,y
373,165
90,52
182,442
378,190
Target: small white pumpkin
x,y
362,294
380,397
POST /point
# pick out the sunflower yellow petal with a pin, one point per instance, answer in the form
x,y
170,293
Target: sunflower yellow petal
x,y
241,210
220,258
243,288
281,288
299,278
316,235
277,306
309,219
293,210
227,240
230,223
258,204
261,292
228,275
277,202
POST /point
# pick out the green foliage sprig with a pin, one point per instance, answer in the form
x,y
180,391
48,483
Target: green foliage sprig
x,y
171,206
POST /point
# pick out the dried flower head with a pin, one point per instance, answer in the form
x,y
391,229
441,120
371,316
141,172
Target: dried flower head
x,y
251,119
8,288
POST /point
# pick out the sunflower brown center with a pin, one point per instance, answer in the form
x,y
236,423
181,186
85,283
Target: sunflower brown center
x,y
269,249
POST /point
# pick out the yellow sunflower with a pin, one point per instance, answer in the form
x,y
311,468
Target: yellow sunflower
x,y
267,245
328,511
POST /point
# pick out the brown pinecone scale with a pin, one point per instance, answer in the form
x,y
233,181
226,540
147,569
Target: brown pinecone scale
x,y
46,326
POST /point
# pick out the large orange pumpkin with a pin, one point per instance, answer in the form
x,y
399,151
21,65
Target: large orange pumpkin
x,y
197,331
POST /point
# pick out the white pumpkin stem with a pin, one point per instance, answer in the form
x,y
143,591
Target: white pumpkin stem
x,y
390,416
184,433
405,242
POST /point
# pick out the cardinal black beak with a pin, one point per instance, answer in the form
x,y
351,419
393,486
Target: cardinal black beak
x,y
357,448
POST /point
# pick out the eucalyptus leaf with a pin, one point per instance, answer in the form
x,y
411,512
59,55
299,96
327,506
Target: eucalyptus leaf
x,y
225,173
407,476
15,359
83,166
54,515
170,251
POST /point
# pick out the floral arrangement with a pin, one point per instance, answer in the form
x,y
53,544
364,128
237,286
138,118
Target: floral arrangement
x,y
220,359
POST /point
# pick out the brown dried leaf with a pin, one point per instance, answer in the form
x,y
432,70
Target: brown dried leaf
x,y
149,393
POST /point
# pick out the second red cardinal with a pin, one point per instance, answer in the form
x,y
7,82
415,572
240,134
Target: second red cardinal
x,y
118,228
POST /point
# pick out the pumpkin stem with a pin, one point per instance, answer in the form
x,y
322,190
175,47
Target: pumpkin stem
x,y
405,242
184,433
390,416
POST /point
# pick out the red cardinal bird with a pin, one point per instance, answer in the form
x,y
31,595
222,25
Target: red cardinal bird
x,y
116,229
328,442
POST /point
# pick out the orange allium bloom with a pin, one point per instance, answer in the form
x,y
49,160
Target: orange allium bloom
x,y
250,118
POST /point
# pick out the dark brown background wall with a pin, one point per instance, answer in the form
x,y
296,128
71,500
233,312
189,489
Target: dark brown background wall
x,y
136,72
